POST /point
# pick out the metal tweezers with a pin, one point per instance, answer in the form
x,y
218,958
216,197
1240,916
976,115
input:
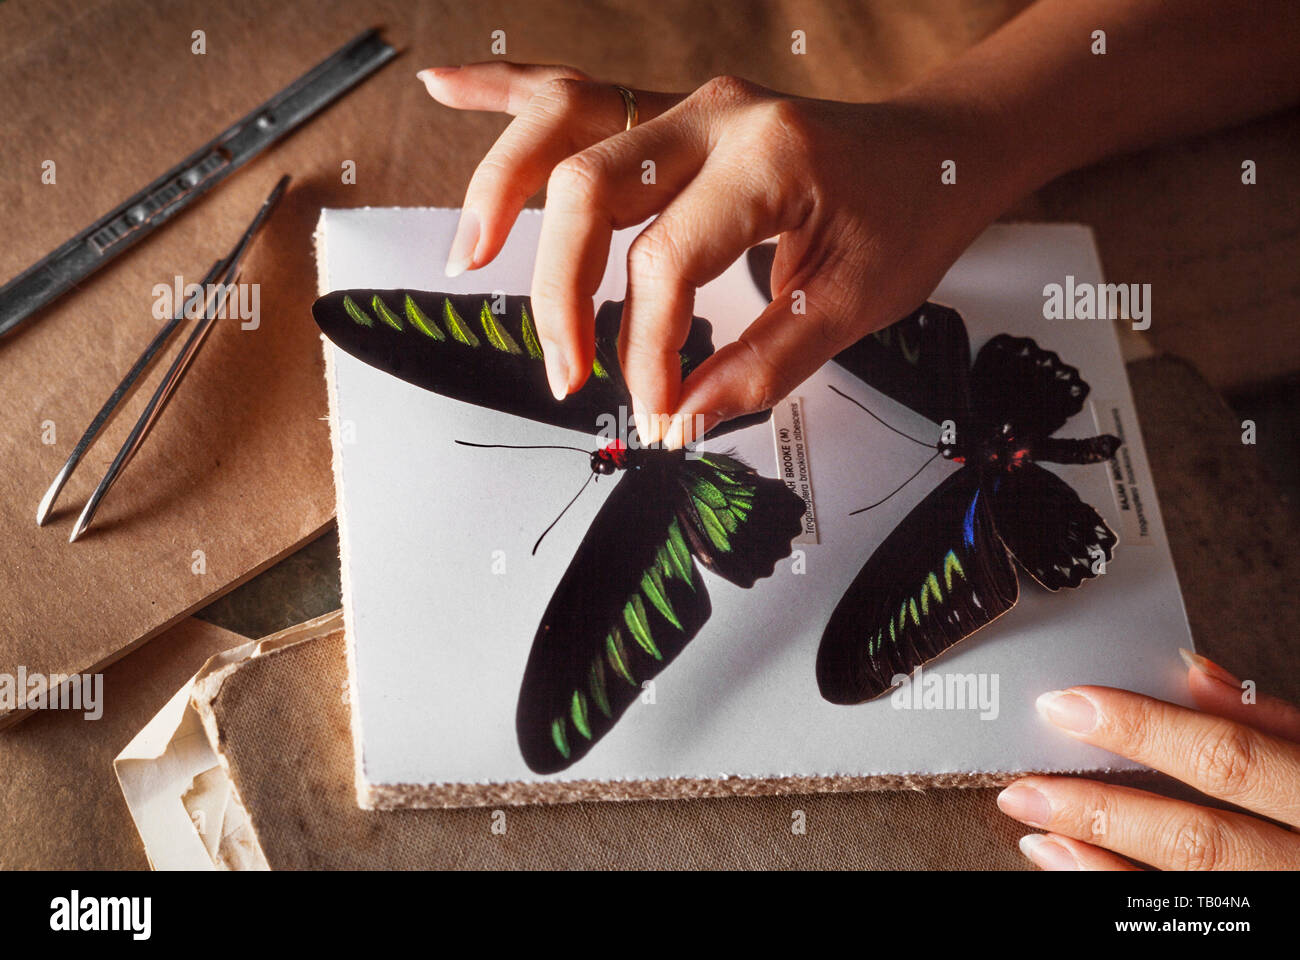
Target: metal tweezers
x,y
211,296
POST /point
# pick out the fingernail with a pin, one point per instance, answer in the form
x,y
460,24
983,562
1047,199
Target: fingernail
x,y
431,75
1208,667
645,424
694,427
428,78
1047,853
557,370
1069,711
675,438
463,244
1024,803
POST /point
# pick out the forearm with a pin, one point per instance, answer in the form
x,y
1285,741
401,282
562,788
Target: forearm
x,y
1051,104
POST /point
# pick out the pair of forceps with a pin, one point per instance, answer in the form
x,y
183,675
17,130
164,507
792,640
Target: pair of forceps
x,y
211,298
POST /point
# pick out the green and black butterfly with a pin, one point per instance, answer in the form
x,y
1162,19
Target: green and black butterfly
x,y
632,597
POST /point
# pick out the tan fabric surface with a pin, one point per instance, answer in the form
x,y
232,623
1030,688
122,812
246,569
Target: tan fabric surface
x,y
1220,256
238,466
60,803
284,727
284,733
1232,535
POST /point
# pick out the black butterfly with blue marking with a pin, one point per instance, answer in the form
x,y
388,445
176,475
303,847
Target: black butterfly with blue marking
x,y
946,570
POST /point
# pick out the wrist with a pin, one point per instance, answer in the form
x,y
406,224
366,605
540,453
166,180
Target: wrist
x,y
998,160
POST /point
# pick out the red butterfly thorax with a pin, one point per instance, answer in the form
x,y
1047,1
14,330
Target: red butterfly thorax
x,y
613,456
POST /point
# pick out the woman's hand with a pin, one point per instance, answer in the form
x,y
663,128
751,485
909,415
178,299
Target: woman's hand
x,y
855,191
867,226
1245,753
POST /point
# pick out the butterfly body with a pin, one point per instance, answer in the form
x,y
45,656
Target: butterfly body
x,y
615,455
947,569
1002,451
1005,451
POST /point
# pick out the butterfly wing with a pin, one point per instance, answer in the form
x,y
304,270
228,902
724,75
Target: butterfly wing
x,y
633,597
630,602
938,577
738,522
1058,539
1016,381
456,345
922,361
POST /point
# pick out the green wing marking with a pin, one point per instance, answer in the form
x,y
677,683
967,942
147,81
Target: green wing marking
x,y
635,618
578,713
560,740
723,498
617,654
496,334
384,314
421,321
675,556
952,563
597,686
356,313
914,613
459,330
652,585
529,332
642,656
738,522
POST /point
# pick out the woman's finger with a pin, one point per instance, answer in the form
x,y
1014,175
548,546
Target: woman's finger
x,y
1217,691
558,112
588,196
562,118
1165,833
1219,757
713,221
1053,852
776,353
493,84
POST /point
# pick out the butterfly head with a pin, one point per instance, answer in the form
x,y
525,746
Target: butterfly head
x,y
611,457
1002,449
955,450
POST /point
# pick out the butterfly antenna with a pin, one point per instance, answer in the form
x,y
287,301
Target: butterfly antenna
x,y
591,476
882,422
896,489
515,446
